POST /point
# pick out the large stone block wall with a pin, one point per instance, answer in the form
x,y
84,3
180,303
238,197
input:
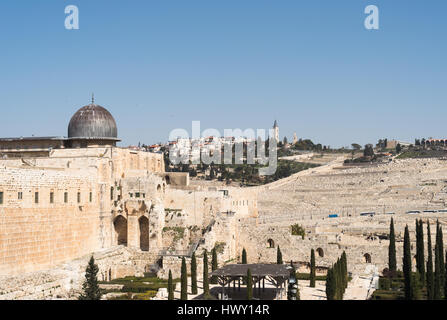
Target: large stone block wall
x,y
34,236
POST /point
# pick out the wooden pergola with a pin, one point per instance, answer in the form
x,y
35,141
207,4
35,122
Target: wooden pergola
x,y
276,274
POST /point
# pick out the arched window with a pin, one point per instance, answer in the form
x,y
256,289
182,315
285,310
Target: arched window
x,y
320,252
271,243
367,258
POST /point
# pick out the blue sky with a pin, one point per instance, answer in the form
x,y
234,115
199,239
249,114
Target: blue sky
x,y
158,65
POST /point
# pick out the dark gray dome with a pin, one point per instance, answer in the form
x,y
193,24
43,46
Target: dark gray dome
x,y
92,121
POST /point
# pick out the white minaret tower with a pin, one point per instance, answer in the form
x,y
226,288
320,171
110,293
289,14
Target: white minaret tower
x,y
295,138
276,128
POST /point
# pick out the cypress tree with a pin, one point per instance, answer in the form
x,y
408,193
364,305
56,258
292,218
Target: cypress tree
x,y
312,268
170,287
330,285
206,285
341,279
437,278
244,256
338,293
441,259
430,278
420,259
249,285
407,264
438,270
345,269
392,265
213,265
279,256
184,281
193,274
445,277
90,286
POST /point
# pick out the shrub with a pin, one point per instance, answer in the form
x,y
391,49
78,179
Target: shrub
x,y
384,284
298,230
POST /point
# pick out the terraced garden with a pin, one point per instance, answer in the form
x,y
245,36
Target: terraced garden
x,y
134,288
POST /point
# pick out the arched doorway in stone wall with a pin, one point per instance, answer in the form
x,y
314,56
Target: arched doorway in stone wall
x,y
271,243
320,252
143,223
120,225
367,258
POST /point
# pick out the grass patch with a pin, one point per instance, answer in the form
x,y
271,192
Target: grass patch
x,y
143,288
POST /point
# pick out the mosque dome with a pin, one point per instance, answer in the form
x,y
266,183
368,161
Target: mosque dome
x,y
92,122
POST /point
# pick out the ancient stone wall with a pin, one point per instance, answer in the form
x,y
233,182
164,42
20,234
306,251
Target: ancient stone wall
x,y
46,218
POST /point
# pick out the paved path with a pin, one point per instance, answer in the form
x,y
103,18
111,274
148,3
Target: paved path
x,y
362,285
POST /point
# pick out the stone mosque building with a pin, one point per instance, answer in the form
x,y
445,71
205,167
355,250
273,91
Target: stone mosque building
x,y
64,198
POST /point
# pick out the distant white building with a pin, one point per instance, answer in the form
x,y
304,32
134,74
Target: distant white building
x,y
276,129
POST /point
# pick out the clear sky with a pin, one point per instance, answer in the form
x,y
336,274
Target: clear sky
x,y
158,65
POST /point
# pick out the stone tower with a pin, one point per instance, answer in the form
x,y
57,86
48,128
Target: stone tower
x,y
295,138
276,129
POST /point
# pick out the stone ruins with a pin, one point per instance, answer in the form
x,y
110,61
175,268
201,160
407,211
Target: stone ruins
x,y
65,199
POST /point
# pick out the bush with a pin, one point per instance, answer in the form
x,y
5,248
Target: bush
x,y
298,230
306,276
384,295
384,284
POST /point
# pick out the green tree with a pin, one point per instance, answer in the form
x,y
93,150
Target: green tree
x,y
213,265
90,287
441,257
338,285
445,277
279,256
345,269
330,285
407,264
206,285
439,264
249,285
392,265
193,274
170,287
184,281
369,151
420,259
430,277
437,277
244,256
312,268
